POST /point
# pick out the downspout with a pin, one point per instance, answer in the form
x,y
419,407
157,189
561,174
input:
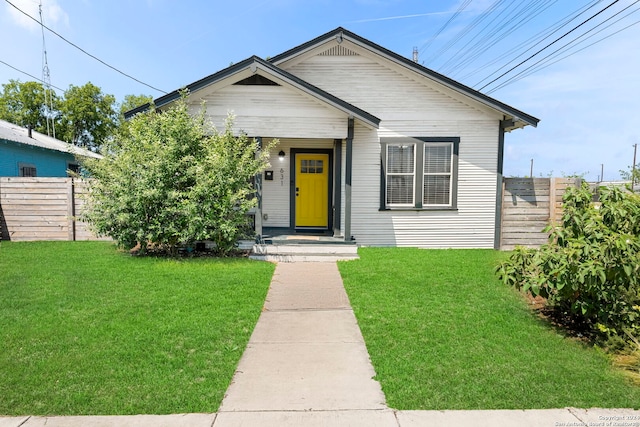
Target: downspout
x,y
347,181
499,183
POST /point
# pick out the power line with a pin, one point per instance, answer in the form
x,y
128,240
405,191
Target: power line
x,y
465,31
461,53
462,7
546,61
528,44
539,65
507,25
27,74
85,52
550,44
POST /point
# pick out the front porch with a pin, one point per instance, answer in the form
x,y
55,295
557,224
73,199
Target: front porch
x,y
290,245
305,192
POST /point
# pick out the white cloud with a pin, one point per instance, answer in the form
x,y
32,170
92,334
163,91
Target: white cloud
x,y
52,13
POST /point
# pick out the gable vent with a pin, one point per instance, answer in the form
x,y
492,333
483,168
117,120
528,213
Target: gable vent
x,y
338,51
256,80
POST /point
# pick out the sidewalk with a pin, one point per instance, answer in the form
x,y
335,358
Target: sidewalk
x,y
306,364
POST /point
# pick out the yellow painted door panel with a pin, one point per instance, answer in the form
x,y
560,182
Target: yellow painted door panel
x,y
312,190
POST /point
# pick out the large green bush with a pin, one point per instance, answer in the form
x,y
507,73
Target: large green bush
x,y
172,179
590,269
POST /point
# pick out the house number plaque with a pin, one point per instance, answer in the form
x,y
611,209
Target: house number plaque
x,y
282,177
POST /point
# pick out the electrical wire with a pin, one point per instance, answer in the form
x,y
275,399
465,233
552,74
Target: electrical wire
x,y
546,61
481,17
549,59
549,45
509,24
85,52
528,44
27,74
462,7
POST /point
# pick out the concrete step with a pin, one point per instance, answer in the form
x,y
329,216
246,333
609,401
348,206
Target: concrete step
x,y
304,252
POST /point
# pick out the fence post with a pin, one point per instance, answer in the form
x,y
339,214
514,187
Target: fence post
x,y
71,209
552,200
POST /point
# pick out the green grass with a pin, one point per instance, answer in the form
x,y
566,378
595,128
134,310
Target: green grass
x,y
85,329
444,333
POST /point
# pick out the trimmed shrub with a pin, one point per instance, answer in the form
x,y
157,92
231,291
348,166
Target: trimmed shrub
x,y
590,269
172,179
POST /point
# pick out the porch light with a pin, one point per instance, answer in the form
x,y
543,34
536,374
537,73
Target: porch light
x,y
281,155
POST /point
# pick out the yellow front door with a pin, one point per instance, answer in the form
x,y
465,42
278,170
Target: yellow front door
x,y
312,190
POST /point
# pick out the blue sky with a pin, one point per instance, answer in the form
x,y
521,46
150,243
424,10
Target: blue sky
x,y
588,103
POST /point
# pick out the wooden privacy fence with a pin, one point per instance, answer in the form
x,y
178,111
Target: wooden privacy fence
x,y
42,209
528,206
48,208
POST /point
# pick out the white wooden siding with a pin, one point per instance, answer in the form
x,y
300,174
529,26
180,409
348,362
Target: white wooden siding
x,y
273,111
276,193
411,106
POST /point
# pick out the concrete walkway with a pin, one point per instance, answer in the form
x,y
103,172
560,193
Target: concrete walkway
x,y
306,364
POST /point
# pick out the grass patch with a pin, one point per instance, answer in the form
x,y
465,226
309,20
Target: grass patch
x,y
444,333
87,330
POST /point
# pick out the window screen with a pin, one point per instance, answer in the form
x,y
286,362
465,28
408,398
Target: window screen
x,y
437,174
400,174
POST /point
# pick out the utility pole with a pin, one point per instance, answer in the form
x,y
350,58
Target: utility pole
x,y
46,78
633,166
415,54
601,172
531,170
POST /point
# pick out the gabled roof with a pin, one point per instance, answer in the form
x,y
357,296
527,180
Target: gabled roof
x,y
254,64
15,133
519,118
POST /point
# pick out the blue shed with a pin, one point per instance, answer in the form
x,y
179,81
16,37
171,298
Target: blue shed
x,y
28,153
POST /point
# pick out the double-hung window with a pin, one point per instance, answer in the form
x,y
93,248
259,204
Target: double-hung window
x,y
401,174
419,173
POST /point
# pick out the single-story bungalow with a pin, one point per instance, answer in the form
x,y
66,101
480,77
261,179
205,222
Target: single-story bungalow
x,y
27,153
373,147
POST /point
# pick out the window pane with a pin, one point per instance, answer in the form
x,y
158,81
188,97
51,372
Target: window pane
x,y
400,190
437,158
400,158
437,190
27,171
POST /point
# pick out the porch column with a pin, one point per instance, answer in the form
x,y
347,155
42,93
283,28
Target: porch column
x,y
497,238
258,210
347,180
337,192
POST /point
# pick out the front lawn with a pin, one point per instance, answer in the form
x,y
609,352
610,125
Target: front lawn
x,y
85,329
444,333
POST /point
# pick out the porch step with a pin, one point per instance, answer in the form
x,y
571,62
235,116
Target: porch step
x,y
302,252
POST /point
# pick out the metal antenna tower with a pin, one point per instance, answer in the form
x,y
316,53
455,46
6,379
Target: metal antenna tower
x,y
46,78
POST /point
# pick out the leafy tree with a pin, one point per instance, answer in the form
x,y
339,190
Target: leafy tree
x,y
590,270
171,179
88,116
132,101
25,104
626,174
